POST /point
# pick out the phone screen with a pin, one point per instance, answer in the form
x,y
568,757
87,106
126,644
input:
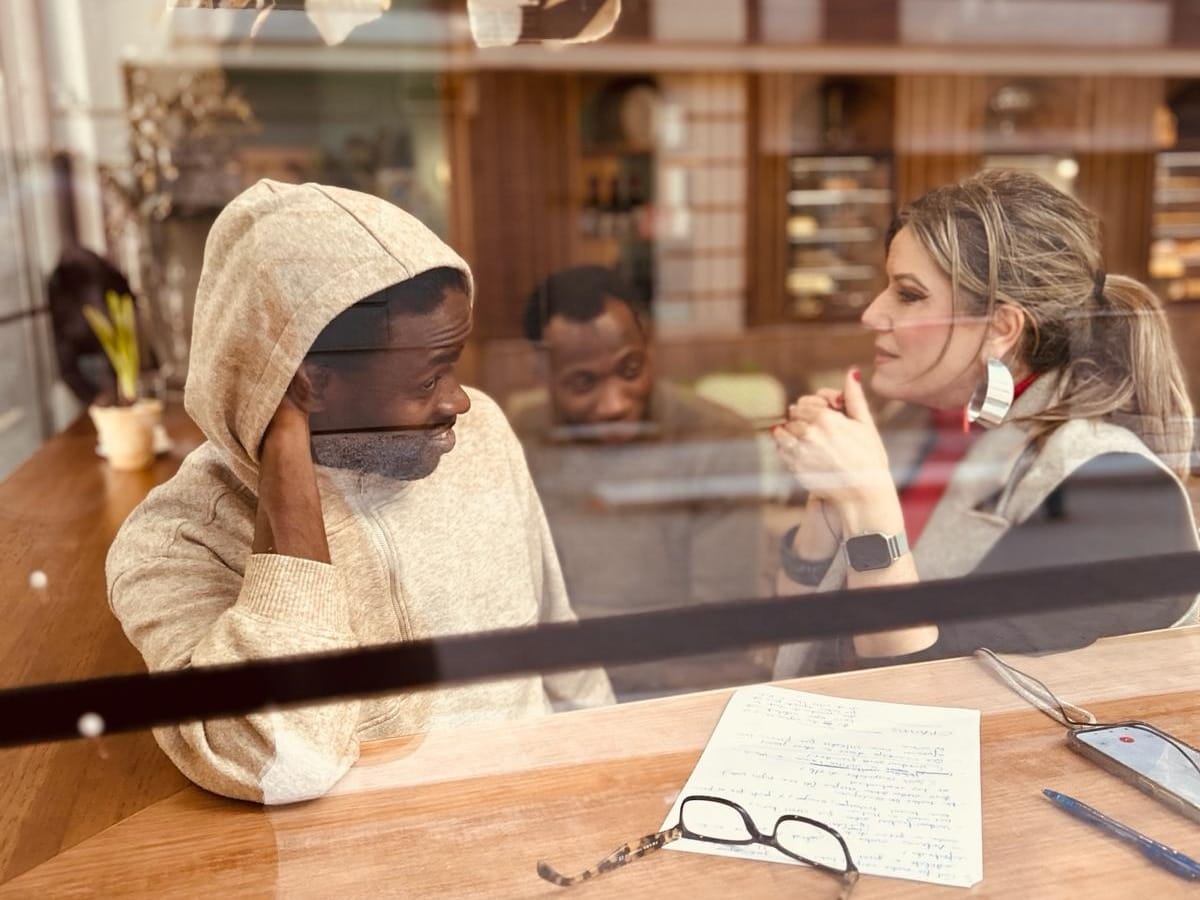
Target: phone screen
x,y
1149,754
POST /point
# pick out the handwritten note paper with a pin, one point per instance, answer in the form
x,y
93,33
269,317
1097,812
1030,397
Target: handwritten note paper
x,y
900,783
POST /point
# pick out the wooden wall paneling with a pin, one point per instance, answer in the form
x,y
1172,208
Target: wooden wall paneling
x,y
633,25
757,206
956,127
573,172
1143,177
459,104
861,21
768,130
1137,108
1119,188
483,174
1091,183
943,128
1185,328
520,149
933,117
965,104
754,33
939,131
963,100
922,138
556,187
1083,112
1185,23
522,200
911,129
977,100
1116,165
914,139
972,109
904,159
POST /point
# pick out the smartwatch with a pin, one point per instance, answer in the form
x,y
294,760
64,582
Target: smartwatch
x,y
867,552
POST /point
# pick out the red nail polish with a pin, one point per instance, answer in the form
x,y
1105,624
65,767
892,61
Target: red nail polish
x,y
856,374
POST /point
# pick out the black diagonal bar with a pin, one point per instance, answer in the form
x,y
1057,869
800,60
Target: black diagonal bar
x,y
52,711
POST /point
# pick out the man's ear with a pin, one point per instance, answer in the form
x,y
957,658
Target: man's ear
x,y
1004,333
316,379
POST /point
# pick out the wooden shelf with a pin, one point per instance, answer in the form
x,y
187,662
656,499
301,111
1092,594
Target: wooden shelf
x,y
834,196
1168,195
608,151
1180,232
862,235
1179,159
804,165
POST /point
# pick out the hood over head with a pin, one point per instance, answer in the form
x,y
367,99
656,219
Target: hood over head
x,y
280,262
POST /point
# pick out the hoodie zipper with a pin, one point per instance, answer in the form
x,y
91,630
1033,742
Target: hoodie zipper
x,y
385,547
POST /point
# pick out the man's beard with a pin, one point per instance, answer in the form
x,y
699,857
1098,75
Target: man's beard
x,y
405,456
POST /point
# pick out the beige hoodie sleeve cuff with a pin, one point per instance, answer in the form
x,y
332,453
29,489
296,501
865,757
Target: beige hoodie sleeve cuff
x,y
295,590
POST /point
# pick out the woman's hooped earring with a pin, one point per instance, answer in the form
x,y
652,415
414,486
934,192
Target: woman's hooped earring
x,y
992,400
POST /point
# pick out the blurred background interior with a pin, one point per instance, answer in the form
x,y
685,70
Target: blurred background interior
x,y
737,160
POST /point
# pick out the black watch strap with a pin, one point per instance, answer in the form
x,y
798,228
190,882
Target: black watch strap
x,y
802,571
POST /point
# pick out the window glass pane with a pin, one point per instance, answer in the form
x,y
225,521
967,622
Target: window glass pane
x,y
465,404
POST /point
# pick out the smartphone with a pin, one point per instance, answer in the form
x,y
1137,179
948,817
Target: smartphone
x,y
1157,763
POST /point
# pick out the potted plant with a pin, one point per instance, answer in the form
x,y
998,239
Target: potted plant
x,y
125,429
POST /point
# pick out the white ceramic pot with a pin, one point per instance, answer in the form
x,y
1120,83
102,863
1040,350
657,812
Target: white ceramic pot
x,y
126,433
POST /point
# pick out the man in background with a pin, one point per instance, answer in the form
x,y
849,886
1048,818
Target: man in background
x,y
650,490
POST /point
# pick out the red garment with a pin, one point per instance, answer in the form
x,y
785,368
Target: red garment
x,y
950,443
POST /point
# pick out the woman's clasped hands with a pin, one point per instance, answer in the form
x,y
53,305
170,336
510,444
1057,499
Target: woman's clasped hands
x,y
832,447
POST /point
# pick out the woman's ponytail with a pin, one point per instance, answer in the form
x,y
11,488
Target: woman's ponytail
x,y
1131,366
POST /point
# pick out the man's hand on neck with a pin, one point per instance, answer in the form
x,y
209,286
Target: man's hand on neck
x,y
288,521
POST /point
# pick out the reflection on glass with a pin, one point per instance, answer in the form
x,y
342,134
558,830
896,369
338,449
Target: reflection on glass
x,y
736,173
651,490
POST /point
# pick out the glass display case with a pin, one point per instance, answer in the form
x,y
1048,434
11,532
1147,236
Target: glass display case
x,y
839,209
1175,246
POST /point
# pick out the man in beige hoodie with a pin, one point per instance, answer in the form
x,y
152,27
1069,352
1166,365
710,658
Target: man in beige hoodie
x,y
326,510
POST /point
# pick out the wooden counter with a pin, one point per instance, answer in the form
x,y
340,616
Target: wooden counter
x,y
58,514
467,813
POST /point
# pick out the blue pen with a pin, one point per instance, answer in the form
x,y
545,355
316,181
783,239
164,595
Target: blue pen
x,y
1159,854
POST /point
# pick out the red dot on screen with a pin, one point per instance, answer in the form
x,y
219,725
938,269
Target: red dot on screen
x,y
1125,739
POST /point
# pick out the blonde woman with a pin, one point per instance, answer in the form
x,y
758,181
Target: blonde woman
x,y
1071,435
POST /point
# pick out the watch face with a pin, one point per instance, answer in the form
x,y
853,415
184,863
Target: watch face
x,y
868,551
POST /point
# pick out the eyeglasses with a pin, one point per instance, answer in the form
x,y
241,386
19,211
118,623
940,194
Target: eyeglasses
x,y
716,820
